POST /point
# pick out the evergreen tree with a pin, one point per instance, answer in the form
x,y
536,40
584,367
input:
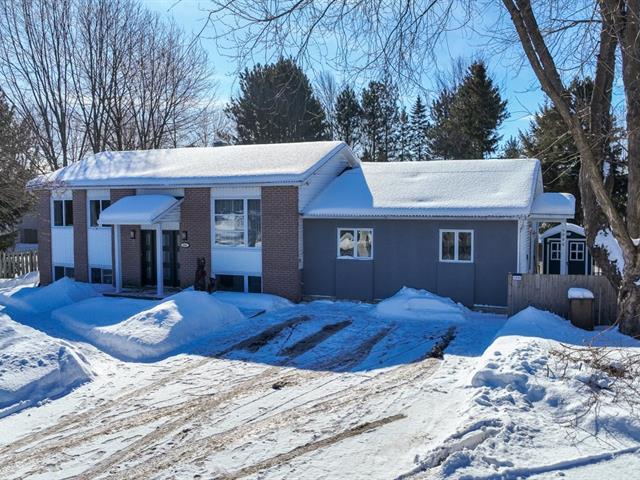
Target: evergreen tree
x,y
418,131
512,148
465,118
16,168
348,115
404,137
379,121
277,104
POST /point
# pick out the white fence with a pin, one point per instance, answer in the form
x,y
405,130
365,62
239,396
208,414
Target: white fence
x,y
18,263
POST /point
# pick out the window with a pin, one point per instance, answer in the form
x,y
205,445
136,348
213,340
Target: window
x,y
101,275
576,251
239,283
95,209
554,250
62,213
60,271
355,243
254,284
238,223
456,246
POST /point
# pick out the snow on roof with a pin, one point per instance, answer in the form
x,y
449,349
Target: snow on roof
x,y
553,204
449,188
571,227
269,163
137,210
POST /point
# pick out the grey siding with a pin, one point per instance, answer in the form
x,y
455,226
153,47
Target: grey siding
x,y
406,253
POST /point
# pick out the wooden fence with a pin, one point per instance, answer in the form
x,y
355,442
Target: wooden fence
x,y
549,292
18,263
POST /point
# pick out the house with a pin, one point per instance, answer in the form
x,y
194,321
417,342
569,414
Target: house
x,y
305,219
579,260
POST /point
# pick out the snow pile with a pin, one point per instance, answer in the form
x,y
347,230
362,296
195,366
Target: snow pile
x,y
412,304
34,367
58,294
253,301
608,242
8,286
176,322
579,294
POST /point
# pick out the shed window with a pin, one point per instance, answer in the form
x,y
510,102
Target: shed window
x,y
95,209
456,246
62,213
576,251
237,223
355,243
554,251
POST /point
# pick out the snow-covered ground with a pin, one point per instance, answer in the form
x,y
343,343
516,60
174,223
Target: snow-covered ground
x,y
415,387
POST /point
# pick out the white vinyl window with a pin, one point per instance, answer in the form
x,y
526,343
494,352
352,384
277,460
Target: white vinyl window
x,y
237,222
576,251
456,246
101,275
95,209
554,251
355,243
63,213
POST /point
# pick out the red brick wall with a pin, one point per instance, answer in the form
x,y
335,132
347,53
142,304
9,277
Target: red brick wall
x,y
131,248
195,219
280,272
44,236
80,248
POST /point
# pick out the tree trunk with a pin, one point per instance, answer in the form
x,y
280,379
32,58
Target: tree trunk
x,y
629,305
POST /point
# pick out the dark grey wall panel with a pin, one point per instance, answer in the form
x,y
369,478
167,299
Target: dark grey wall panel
x,y
406,253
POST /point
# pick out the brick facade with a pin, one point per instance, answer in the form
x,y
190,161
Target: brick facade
x,y
44,236
195,219
280,272
131,248
80,246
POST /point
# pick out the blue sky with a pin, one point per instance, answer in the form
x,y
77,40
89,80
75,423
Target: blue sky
x,y
517,84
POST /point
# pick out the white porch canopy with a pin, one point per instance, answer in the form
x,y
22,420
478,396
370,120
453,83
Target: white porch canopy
x,y
148,210
553,207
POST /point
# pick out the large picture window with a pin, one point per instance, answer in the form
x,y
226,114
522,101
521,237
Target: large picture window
x,y
355,243
237,223
62,213
456,246
95,209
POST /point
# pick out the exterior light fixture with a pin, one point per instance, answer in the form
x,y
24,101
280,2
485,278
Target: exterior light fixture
x,y
185,236
132,234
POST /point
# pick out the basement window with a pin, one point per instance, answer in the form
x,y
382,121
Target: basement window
x,y
60,271
101,275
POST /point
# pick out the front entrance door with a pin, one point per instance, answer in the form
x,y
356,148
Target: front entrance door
x,y
169,256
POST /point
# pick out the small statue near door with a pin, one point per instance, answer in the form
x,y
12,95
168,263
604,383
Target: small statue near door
x,y
202,279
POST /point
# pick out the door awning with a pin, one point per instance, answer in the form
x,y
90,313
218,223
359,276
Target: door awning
x,y
138,210
553,206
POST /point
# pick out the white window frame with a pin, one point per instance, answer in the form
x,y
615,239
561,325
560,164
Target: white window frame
x,y
89,200
581,251
456,241
245,276
101,268
245,222
355,256
64,212
64,266
553,251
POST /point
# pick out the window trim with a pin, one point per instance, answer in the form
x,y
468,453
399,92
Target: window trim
x,y
245,223
456,241
356,256
64,212
581,251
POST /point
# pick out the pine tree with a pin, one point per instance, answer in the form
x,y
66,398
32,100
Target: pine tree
x,y
277,104
379,121
512,148
418,131
445,140
16,168
348,117
479,111
404,137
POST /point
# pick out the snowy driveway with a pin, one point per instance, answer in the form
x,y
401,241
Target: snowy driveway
x,y
323,390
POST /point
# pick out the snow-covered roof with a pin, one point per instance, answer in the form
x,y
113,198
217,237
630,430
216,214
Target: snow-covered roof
x,y
571,227
269,163
137,210
554,205
449,188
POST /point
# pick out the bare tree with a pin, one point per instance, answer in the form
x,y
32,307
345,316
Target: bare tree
x,y
560,39
327,90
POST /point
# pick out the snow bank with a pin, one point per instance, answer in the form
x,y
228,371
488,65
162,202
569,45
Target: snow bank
x,y
8,286
253,301
413,304
34,367
579,293
174,323
58,294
